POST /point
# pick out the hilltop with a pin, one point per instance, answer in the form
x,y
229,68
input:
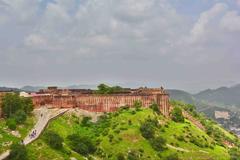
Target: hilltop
x,y
135,133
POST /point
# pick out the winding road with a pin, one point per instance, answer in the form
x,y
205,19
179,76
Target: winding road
x,y
44,115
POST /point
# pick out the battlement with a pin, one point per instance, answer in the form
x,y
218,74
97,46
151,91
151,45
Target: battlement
x,y
87,99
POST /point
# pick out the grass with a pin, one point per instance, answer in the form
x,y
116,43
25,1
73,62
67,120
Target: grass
x,y
6,136
120,134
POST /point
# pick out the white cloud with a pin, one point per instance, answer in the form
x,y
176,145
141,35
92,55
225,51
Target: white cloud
x,y
201,26
34,40
231,21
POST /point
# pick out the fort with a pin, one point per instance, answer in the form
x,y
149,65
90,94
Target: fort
x,y
88,100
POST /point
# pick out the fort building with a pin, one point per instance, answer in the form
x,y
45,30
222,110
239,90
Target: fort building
x,y
88,100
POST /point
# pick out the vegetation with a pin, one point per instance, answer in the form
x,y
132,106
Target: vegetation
x,y
105,89
53,139
177,115
124,135
15,109
18,152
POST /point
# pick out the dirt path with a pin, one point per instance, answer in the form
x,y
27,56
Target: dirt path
x,y
44,115
177,148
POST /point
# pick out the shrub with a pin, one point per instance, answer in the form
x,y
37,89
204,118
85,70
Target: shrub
x,y
147,130
11,123
86,121
120,156
158,143
177,115
137,105
20,116
173,156
234,153
53,140
18,152
155,108
81,144
133,155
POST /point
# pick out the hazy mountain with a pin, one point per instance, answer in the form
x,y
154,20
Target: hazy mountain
x,y
181,96
221,96
8,89
32,88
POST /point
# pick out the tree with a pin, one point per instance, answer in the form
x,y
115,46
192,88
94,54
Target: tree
x,y
155,108
120,156
177,115
20,116
173,156
147,130
11,123
53,140
137,105
81,144
12,103
133,155
18,152
158,143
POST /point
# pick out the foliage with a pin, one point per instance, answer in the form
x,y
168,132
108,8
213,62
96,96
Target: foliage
x,y
177,115
12,103
20,116
155,108
173,156
18,152
234,153
86,121
120,156
81,144
133,155
105,89
158,143
137,105
147,128
53,139
11,123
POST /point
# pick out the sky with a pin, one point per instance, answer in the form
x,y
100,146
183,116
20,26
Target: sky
x,y
182,44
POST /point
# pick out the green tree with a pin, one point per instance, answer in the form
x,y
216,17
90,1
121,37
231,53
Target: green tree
x,y
81,144
53,140
147,129
137,105
120,156
158,143
155,108
18,152
173,156
11,123
20,116
12,103
177,115
133,155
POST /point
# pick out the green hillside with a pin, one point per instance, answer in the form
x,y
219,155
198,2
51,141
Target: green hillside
x,y
120,135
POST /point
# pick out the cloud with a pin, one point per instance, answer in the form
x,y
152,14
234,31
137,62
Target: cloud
x,y
231,21
125,40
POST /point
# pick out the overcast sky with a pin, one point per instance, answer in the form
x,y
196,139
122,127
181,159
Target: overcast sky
x,y
184,44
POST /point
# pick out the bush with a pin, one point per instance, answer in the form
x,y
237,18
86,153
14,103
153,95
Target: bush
x,y
86,121
120,156
11,103
234,153
81,144
11,123
53,140
155,108
177,115
20,116
133,155
137,105
18,152
158,143
147,130
173,156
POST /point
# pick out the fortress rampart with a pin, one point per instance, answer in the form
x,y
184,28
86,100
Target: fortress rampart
x,y
88,100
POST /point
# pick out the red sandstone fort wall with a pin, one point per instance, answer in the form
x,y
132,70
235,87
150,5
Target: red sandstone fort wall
x,y
102,103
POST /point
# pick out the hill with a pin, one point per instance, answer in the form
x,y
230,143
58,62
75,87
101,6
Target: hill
x,y
222,96
134,134
181,96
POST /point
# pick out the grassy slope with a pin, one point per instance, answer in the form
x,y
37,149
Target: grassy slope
x,y
6,136
129,138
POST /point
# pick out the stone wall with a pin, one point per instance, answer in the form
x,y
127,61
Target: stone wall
x,y
102,103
